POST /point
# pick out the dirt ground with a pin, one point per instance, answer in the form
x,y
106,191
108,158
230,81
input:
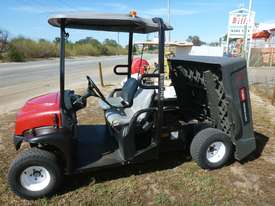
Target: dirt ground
x,y
172,180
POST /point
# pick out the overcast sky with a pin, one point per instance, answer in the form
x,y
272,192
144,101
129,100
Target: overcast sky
x,y
205,18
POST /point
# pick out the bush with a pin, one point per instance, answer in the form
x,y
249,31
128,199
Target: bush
x,y
15,55
45,49
85,50
21,48
27,49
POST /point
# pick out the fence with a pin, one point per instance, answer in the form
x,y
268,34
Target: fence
x,y
262,54
262,57
262,80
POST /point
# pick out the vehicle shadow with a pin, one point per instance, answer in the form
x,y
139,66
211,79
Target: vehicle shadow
x,y
261,141
166,161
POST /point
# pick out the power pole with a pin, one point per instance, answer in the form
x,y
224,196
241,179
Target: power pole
x,y
247,53
169,14
251,32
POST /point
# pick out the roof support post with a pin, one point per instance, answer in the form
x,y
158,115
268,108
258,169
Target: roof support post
x,y
161,46
62,62
130,53
161,36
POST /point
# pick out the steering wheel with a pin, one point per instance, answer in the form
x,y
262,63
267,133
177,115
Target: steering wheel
x,y
92,86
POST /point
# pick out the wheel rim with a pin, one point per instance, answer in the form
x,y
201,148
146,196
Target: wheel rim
x,y
35,178
215,152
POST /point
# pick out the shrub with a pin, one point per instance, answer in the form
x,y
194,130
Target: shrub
x,y
32,49
21,48
45,49
15,55
85,50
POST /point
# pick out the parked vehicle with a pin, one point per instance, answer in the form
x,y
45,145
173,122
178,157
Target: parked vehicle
x,y
210,114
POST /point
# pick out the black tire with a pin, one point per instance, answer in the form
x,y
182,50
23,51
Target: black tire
x,y
196,77
200,146
224,119
37,158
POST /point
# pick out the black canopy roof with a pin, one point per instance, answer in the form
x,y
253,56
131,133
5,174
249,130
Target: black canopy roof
x,y
106,22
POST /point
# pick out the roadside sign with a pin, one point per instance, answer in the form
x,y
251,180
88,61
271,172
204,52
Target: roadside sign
x,y
240,26
238,20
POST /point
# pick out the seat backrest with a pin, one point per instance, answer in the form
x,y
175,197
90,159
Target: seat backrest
x,y
128,91
142,100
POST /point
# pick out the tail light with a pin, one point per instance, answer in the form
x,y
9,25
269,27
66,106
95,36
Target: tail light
x,y
244,105
243,96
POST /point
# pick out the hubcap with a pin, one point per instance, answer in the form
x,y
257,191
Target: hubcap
x,y
215,152
35,178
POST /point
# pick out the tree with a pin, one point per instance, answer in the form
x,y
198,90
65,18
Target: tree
x,y
89,40
225,37
195,40
3,40
57,40
43,41
111,42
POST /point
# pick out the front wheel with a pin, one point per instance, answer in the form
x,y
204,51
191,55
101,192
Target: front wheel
x,y
211,148
34,174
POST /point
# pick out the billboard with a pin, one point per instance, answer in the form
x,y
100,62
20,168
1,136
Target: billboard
x,y
239,23
238,20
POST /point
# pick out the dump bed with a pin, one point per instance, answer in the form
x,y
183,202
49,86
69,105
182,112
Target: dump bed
x,y
216,90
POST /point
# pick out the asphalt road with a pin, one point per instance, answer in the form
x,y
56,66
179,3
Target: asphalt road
x,y
22,81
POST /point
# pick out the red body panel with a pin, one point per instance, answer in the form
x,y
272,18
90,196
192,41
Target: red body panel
x,y
38,112
139,65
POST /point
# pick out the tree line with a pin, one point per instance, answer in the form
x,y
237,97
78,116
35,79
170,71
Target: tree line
x,y
21,48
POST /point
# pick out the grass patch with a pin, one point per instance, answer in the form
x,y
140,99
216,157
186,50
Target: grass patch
x,y
171,180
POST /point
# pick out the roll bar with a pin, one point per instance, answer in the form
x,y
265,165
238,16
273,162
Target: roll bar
x,y
160,75
62,62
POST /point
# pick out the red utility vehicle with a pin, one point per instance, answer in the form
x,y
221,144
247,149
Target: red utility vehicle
x,y
210,116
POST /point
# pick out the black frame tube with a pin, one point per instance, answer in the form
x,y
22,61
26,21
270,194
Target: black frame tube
x,y
161,35
161,46
62,62
130,53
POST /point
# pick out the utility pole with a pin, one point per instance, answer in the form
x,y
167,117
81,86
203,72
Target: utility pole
x,y
169,14
251,32
247,53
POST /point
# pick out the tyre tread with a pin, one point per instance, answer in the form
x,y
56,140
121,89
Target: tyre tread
x,y
31,154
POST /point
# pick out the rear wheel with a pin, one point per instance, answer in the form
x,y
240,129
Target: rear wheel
x,y
211,148
35,173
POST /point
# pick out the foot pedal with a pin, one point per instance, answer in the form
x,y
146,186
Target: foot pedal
x,y
174,135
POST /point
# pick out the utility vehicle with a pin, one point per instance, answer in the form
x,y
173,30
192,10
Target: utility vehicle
x,y
210,115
